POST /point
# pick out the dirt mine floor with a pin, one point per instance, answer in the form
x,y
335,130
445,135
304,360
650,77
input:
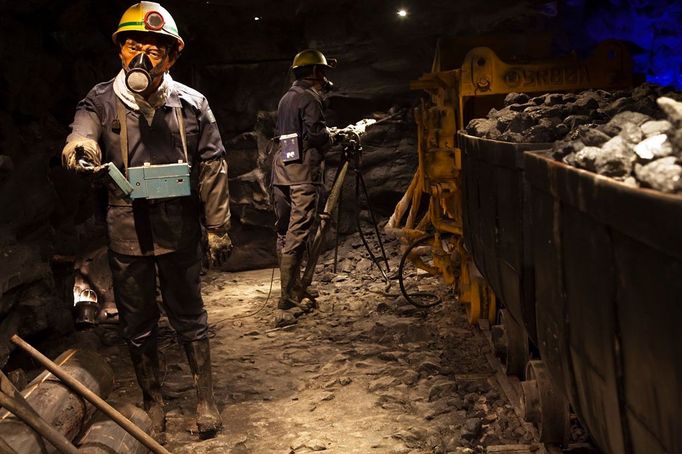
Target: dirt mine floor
x,y
366,373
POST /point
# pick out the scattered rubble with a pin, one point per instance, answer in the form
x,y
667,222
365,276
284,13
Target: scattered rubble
x,y
367,372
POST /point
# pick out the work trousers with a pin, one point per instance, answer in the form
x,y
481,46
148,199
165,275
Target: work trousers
x,y
295,209
135,278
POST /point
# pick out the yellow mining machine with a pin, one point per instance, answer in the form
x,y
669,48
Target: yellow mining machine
x,y
463,85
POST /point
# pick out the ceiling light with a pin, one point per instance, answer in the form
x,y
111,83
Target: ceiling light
x,y
402,13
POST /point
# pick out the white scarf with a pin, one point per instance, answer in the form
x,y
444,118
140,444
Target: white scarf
x,y
136,102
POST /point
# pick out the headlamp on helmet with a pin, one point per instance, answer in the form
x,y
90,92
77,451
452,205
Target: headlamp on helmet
x,y
148,17
154,21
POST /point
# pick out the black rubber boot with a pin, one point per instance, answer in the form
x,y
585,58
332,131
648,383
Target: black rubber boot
x,y
146,363
300,293
287,268
209,421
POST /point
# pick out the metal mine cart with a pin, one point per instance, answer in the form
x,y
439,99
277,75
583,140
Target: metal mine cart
x,y
583,268
608,296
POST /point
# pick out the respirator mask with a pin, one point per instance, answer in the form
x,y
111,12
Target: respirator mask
x,y
319,76
140,73
327,85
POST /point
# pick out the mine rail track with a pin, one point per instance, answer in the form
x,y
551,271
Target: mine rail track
x,y
511,388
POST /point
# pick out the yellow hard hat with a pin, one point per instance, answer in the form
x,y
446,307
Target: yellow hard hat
x,y
311,57
148,17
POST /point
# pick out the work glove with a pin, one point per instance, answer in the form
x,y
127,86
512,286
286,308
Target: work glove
x,y
82,155
219,248
336,135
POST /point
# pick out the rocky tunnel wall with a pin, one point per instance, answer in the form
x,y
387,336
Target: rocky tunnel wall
x,y
53,52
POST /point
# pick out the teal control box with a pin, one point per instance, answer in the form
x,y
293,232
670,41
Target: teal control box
x,y
116,182
159,181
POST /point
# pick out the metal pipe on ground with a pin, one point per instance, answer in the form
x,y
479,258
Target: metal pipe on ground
x,y
105,436
56,403
92,397
28,416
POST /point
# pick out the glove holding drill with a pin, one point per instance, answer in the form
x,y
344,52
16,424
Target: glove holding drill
x,y
357,130
340,135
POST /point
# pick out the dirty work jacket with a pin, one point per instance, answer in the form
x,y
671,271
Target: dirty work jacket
x,y
300,111
154,227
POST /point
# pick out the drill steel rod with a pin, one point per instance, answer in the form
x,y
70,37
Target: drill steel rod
x,y
91,397
336,236
324,226
334,198
31,419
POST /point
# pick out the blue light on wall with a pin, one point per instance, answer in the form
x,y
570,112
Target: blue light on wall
x,y
653,26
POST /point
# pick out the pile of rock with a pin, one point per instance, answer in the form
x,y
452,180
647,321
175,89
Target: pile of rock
x,y
633,147
633,136
550,117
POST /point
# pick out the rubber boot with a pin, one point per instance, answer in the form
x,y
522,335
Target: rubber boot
x,y
146,363
209,421
303,292
287,270
299,292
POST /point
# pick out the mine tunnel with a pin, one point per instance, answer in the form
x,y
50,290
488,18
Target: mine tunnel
x,y
235,226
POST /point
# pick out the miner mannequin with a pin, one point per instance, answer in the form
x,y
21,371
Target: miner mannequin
x,y
297,168
143,117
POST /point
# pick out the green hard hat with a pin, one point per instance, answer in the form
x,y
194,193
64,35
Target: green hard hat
x,y
311,57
